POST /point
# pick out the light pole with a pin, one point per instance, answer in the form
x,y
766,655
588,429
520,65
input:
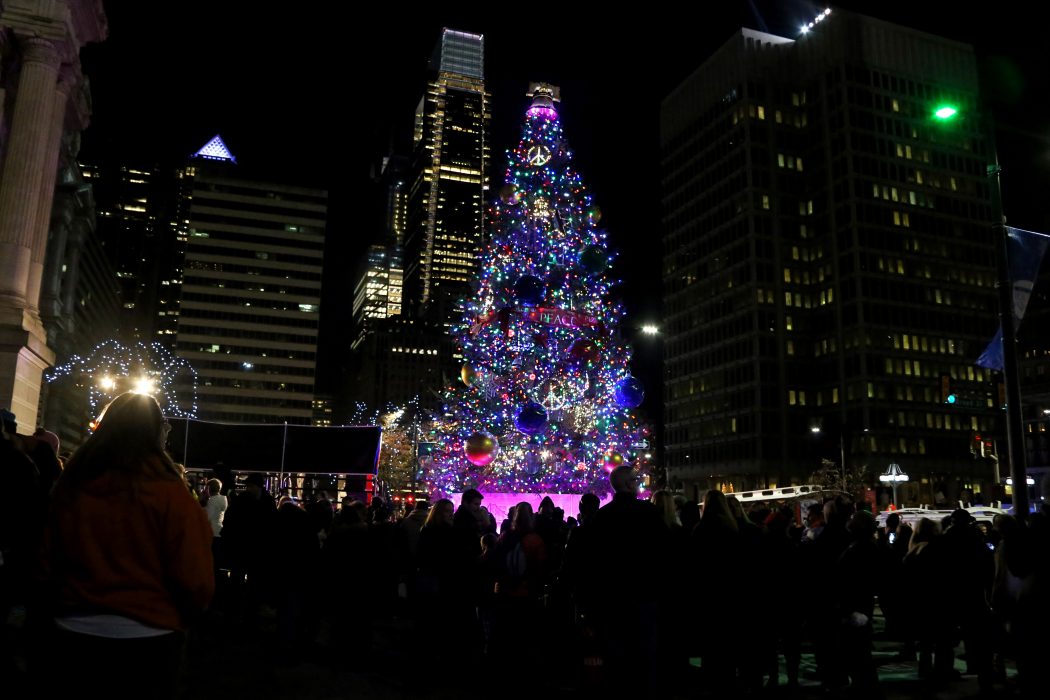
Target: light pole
x,y
816,430
650,366
1000,237
894,475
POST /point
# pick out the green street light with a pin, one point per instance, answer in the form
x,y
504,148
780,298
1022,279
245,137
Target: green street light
x,y
1015,443
945,112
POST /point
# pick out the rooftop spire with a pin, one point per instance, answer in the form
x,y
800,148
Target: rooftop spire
x,y
544,94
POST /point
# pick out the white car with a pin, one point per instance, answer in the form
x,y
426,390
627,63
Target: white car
x,y
911,516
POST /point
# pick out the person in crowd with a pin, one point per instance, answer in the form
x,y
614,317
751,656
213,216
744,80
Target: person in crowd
x,y
1028,558
21,522
858,579
321,511
821,553
814,521
42,449
665,505
346,580
377,507
970,566
489,569
247,535
522,559
1006,587
215,507
716,560
505,525
466,524
750,571
52,463
439,576
924,609
410,529
126,565
780,559
689,516
384,535
631,554
674,637
550,526
889,534
295,576
579,553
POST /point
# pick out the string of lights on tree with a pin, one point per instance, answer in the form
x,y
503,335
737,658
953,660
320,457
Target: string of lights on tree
x,y
113,368
547,399
363,414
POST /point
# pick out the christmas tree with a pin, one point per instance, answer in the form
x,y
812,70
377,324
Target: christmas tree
x,y
546,403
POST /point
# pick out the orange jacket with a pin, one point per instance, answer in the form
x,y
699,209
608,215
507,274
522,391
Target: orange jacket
x,y
145,555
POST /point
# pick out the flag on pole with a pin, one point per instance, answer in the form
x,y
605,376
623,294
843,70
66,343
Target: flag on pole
x,y
1024,255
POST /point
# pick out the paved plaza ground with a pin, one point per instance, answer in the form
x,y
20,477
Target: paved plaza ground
x,y
224,663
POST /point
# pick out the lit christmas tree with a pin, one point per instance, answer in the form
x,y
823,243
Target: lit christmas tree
x,y
547,400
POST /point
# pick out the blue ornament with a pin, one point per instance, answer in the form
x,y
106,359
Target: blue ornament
x,y
594,259
629,393
528,290
531,419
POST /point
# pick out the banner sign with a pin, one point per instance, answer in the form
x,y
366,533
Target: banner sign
x,y
561,318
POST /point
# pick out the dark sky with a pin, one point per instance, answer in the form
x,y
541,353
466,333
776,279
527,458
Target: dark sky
x,y
317,91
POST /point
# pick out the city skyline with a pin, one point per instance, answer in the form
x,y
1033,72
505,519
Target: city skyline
x,y
397,75
262,101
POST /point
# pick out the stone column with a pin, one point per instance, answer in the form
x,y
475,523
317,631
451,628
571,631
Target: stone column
x,y
48,174
24,163
23,345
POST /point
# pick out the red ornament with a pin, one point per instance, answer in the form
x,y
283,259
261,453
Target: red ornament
x,y
584,350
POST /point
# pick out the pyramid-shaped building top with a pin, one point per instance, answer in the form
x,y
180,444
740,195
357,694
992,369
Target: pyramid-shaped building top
x,y
215,150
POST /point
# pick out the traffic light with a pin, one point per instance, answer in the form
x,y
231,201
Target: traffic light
x,y
976,445
948,394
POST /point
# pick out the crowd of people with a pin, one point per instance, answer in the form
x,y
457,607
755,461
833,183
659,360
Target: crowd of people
x,y
116,557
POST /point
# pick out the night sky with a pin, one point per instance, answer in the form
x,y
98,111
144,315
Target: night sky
x,y
312,94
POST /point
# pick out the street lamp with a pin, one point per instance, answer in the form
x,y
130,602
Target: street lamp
x,y
650,329
1015,448
816,430
894,475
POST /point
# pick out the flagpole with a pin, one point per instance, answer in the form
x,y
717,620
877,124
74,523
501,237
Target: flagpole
x,y
1015,447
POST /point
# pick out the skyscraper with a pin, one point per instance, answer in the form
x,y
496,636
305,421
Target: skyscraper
x,y
379,280
828,260
450,176
126,211
250,293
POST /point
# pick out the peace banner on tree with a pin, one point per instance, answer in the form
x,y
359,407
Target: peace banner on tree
x,y
561,318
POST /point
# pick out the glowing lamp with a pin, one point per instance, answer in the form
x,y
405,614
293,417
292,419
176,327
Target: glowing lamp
x,y
945,112
145,385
